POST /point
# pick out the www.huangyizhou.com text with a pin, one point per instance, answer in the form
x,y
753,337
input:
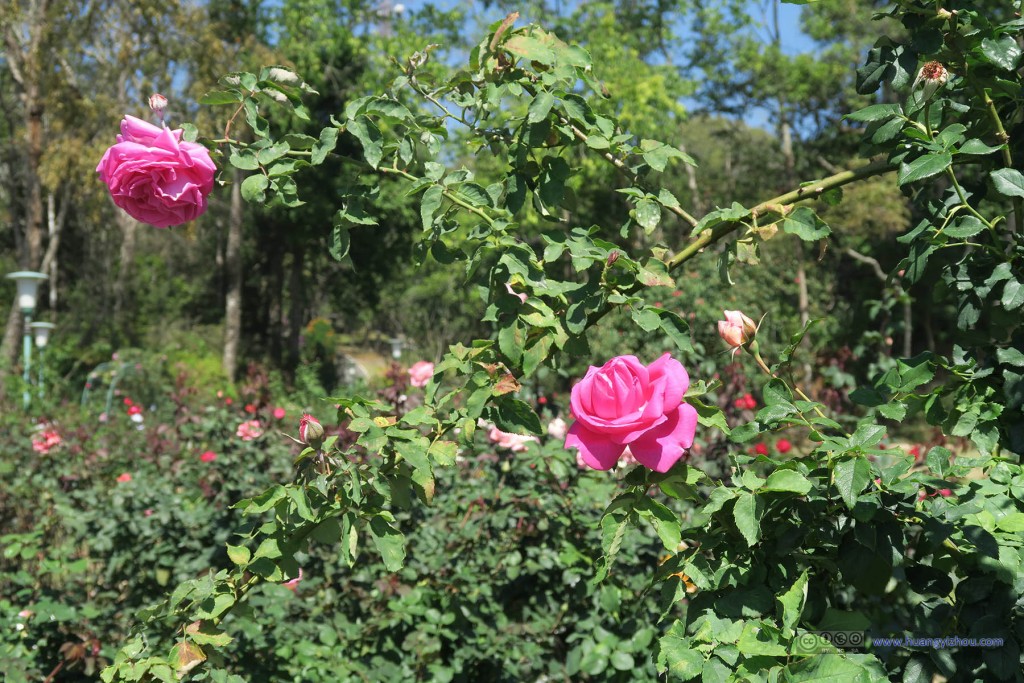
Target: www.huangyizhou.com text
x,y
937,643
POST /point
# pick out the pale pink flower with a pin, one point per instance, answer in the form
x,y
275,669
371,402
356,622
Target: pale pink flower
x,y
557,428
249,430
513,442
420,373
292,584
519,295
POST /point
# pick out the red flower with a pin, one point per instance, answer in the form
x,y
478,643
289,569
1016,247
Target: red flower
x,y
208,456
542,400
250,408
745,402
916,452
127,401
279,413
761,449
783,446
124,478
134,410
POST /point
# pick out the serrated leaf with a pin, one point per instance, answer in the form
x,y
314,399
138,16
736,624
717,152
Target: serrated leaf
x,y
1008,181
923,167
747,513
851,477
390,543
806,225
648,215
787,480
1002,51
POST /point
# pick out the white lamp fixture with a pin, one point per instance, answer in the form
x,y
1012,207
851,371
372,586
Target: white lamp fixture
x,y
28,288
397,345
41,332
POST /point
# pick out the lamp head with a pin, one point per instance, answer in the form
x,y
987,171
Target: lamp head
x,y
28,283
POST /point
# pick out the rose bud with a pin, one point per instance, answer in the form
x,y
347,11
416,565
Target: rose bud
x,y
158,103
736,330
931,77
311,432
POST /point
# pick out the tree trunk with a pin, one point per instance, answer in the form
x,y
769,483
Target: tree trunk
x,y
296,312
126,266
233,297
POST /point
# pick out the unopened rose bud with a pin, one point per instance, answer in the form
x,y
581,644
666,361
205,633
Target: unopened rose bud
x,y
311,432
931,77
158,103
736,330
612,258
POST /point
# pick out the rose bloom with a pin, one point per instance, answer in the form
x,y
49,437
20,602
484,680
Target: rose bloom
x,y
420,373
155,176
208,456
249,430
292,584
250,408
624,403
557,428
514,442
124,478
45,442
783,446
279,413
761,449
134,410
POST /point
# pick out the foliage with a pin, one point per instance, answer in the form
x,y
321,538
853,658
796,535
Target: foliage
x,y
769,556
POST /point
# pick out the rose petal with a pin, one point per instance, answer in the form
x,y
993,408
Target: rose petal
x,y
596,451
660,448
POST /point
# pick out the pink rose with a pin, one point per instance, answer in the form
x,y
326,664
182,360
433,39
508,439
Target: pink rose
x,y
513,442
624,403
736,330
156,177
249,430
292,584
45,442
279,413
420,373
124,478
208,456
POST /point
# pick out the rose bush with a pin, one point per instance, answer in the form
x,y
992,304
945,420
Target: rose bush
x,y
625,403
155,176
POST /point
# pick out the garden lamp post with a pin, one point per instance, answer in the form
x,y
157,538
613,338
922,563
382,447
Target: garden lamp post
x,y
41,332
397,345
28,287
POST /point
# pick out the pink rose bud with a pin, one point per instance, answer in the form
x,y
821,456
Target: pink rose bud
x,y
736,330
612,258
157,103
311,432
292,584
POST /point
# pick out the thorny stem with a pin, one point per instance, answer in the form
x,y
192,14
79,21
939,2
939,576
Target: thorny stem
x,y
778,205
1004,140
764,366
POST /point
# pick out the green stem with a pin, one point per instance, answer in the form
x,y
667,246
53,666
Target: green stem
x,y
777,205
1004,139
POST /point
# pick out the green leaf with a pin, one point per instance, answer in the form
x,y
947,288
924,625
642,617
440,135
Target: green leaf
x,y
963,227
792,602
851,476
787,480
677,655
215,97
514,416
923,167
1008,181
1003,51
239,555
340,242
254,188
324,145
390,543
243,160
664,521
1013,295
540,107
875,112
806,225
429,205
648,215
747,513
834,668
369,137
